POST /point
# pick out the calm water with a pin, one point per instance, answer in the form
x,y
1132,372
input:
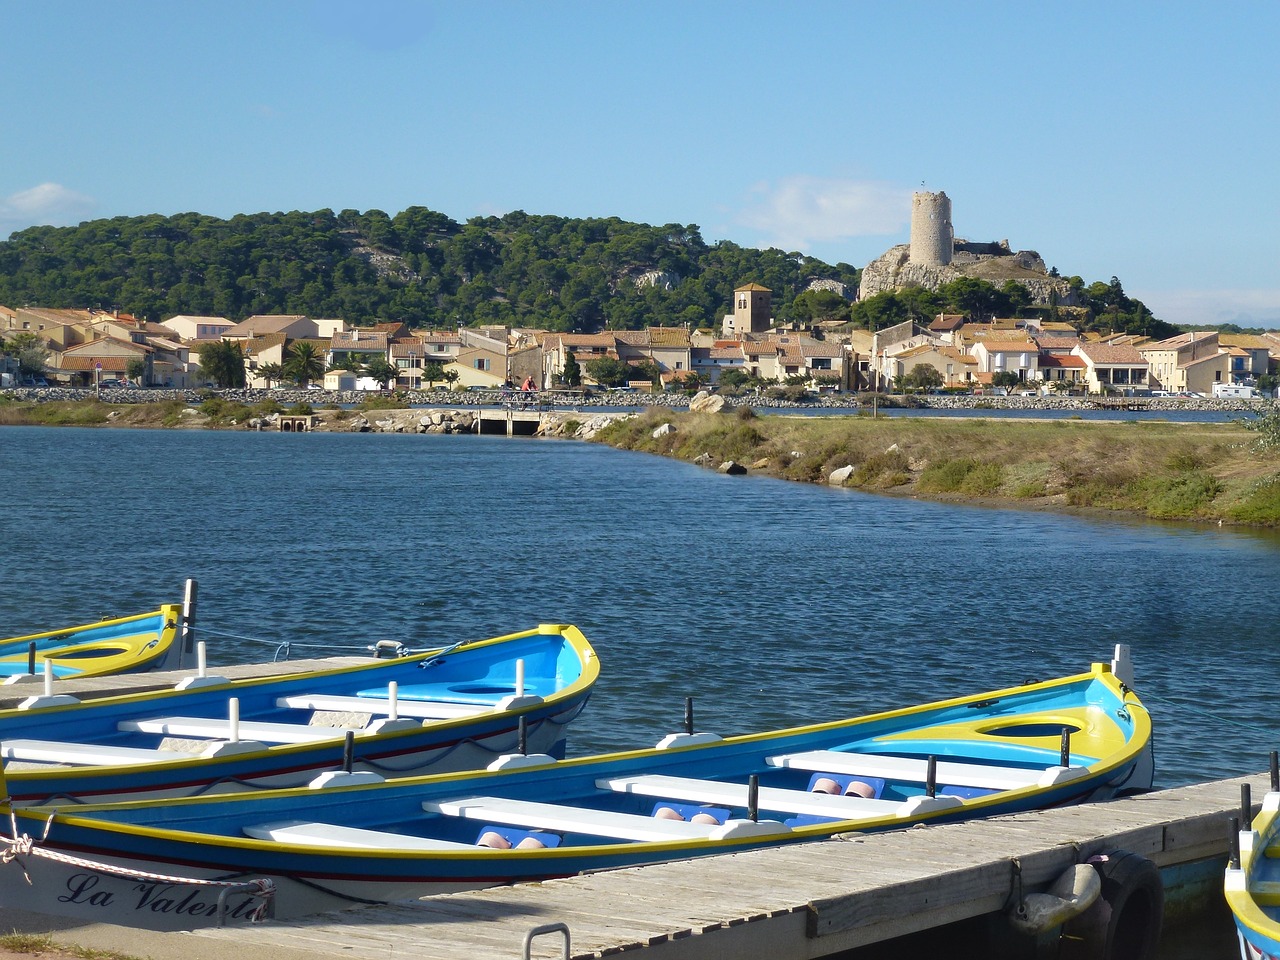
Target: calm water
x,y
770,603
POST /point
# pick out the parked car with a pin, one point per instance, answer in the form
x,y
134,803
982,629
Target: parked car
x,y
35,382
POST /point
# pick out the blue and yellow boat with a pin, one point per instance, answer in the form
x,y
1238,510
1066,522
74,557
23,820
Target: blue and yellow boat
x,y
444,709
145,641
1042,744
1252,883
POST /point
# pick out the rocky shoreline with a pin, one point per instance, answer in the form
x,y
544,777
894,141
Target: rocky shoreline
x,y
580,400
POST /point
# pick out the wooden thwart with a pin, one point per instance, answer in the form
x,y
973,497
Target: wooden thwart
x,y
419,709
310,834
84,754
694,790
532,814
248,729
914,769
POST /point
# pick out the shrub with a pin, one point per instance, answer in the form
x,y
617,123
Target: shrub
x,y
1178,497
881,470
381,401
1267,428
965,475
1184,461
1030,490
1261,505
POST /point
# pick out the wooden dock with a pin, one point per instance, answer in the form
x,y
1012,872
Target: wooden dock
x,y
791,903
802,901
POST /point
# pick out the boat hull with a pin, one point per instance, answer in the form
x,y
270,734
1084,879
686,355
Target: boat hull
x,y
971,757
145,641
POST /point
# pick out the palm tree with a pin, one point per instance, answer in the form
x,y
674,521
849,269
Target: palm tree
x,y
304,364
380,370
271,372
432,371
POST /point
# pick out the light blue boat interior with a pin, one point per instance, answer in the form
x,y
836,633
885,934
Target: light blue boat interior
x,y
396,808
482,675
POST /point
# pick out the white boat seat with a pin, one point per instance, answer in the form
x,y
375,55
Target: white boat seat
x,y
605,823
735,795
84,754
418,709
306,833
221,729
915,769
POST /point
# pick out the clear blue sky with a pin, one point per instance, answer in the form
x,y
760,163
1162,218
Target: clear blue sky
x,y
1136,140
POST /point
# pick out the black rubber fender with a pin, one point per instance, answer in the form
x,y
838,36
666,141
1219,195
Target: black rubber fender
x,y
1124,923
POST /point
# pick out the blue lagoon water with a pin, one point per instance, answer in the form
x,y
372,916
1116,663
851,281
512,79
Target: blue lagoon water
x,y
770,603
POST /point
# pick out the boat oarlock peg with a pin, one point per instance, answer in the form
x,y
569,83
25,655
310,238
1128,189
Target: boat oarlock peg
x,y
348,751
753,797
31,658
522,737
1275,771
1246,807
931,777
688,714
1233,843
1064,759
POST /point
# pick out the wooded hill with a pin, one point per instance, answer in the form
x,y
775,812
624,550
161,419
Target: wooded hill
x,y
418,266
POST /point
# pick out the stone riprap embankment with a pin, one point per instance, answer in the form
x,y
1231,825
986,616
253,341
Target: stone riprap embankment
x,y
567,425
578,401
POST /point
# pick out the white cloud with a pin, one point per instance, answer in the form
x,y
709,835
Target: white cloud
x,y
49,204
799,212
1246,308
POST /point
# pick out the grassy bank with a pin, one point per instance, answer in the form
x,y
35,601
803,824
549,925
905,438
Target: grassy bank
x,y
1207,472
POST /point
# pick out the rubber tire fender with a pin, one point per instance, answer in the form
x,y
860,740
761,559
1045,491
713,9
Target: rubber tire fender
x,y
1124,923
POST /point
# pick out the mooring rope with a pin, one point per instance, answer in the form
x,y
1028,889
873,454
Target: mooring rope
x,y
19,845
285,646
1257,728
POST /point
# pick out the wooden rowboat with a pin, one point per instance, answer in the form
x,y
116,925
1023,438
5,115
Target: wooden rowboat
x,y
144,641
1252,883
1079,738
445,709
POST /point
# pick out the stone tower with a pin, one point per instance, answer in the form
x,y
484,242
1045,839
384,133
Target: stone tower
x,y
932,239
752,308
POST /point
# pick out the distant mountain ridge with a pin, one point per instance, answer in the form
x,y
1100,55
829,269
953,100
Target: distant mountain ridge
x,y
417,266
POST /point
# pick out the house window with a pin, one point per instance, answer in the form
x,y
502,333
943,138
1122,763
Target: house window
x,y
482,364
